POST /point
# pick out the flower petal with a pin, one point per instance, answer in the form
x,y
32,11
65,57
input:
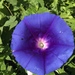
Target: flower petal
x,y
29,61
60,32
39,23
22,38
52,63
22,43
62,44
58,54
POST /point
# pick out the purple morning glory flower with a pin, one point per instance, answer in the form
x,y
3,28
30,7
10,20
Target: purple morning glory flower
x,y
42,43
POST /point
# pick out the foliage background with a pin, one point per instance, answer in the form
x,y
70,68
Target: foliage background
x,y
13,11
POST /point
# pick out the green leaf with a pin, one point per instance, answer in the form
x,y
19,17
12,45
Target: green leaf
x,y
9,68
13,2
61,71
14,74
71,65
3,66
69,61
31,10
23,12
42,9
12,22
52,73
8,58
1,2
71,68
2,15
0,41
71,23
16,8
12,19
66,15
41,2
54,4
35,2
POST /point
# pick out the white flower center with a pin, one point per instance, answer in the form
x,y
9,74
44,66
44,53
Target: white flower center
x,y
42,43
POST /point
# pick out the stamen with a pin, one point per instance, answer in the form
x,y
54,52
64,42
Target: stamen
x,y
42,43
